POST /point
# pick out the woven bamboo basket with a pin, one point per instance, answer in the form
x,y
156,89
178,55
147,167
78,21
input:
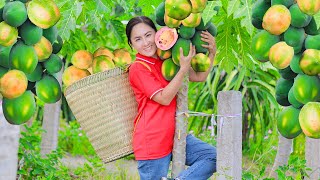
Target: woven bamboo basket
x,y
105,107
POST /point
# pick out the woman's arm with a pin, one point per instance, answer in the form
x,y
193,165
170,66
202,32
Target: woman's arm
x,y
165,96
202,76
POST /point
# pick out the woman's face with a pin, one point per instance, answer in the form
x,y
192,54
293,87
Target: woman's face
x,y
142,39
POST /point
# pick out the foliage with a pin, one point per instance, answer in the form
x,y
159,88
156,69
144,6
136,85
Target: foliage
x,y
72,139
256,157
299,145
93,169
2,2
259,105
92,24
317,19
237,70
31,162
296,166
233,39
148,8
296,169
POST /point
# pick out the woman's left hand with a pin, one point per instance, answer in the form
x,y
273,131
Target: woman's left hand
x,y
207,37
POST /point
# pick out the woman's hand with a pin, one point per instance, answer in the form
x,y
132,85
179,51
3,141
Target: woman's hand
x,y
211,46
185,61
165,96
207,37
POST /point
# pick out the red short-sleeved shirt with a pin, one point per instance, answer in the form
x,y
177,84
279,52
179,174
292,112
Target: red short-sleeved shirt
x,y
154,131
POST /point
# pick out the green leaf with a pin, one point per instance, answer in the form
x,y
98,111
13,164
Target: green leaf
x,y
245,13
229,79
317,18
79,9
244,46
95,20
240,78
89,6
227,45
103,6
61,3
233,7
129,5
266,76
2,3
117,29
262,84
209,12
225,4
68,18
22,171
147,7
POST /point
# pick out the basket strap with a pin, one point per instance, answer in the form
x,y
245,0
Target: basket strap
x,y
138,118
146,65
144,104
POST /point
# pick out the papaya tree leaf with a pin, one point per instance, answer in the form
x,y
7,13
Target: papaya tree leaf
x,y
95,20
209,11
219,18
68,18
244,46
90,17
117,29
227,45
245,12
317,18
127,4
233,7
225,4
104,6
61,3
242,9
2,3
147,7
79,9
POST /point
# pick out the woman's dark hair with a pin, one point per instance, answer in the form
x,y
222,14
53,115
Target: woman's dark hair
x,y
136,20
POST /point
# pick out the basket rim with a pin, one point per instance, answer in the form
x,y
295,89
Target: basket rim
x,y
87,81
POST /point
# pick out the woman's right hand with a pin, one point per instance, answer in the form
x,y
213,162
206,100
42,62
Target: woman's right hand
x,y
185,61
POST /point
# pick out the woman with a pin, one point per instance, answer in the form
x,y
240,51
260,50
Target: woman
x,y
156,97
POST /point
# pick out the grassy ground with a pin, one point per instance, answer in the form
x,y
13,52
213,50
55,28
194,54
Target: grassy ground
x,y
120,169
124,169
257,161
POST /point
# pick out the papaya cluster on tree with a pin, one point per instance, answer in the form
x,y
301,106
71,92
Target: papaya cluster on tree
x,y
289,40
183,24
29,43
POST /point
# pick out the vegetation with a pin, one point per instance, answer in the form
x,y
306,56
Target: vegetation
x,y
89,25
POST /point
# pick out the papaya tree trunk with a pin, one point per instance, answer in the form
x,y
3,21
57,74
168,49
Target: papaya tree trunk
x,y
179,146
313,157
9,144
283,153
50,124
